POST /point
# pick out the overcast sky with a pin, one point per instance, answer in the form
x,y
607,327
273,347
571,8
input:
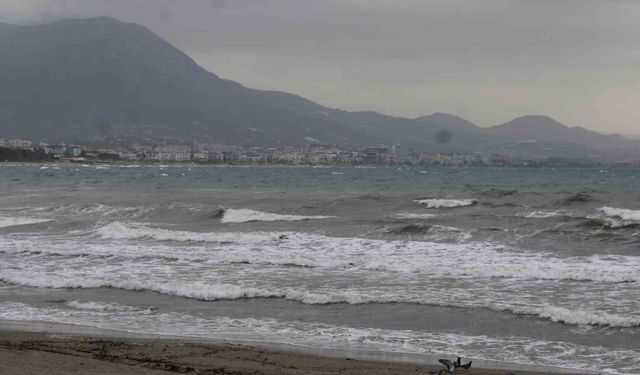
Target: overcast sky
x,y
487,60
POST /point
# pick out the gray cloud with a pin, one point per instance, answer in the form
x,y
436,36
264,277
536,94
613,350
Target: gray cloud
x,y
576,60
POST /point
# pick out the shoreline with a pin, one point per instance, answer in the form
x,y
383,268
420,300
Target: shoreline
x,y
31,345
168,163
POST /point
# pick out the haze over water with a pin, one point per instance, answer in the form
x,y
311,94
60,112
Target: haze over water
x,y
534,266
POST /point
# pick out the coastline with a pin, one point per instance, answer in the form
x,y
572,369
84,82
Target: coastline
x,y
30,347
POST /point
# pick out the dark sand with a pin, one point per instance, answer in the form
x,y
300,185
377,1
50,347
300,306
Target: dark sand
x,y
26,353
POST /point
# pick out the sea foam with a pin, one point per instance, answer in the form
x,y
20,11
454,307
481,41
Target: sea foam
x,y
411,215
545,214
473,259
212,292
232,265
243,215
617,217
104,306
624,214
582,316
446,203
122,231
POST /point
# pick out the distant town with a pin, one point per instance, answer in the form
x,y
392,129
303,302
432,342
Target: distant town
x,y
22,150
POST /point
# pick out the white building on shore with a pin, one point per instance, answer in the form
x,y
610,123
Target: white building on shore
x,y
19,144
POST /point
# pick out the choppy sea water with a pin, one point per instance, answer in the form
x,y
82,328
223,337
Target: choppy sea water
x,y
532,266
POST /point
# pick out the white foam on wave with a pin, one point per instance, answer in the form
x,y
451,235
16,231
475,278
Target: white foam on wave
x,y
474,260
17,221
201,271
225,291
191,289
544,214
243,215
582,316
124,231
620,217
510,349
411,215
103,306
446,203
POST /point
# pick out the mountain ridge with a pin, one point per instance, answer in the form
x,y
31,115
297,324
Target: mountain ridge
x,y
95,78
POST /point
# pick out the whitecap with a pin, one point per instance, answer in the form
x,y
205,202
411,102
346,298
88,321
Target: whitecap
x,y
544,214
411,215
122,231
102,306
225,291
622,213
446,203
243,215
617,217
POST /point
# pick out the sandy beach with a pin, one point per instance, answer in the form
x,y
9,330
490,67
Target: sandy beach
x,y
26,353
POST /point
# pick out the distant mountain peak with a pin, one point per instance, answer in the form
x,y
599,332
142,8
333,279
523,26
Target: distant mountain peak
x,y
536,119
94,79
441,115
546,129
447,121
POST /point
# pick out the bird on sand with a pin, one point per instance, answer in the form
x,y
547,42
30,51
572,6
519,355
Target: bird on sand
x,y
450,366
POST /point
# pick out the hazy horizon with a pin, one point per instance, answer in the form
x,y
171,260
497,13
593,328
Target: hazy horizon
x,y
489,62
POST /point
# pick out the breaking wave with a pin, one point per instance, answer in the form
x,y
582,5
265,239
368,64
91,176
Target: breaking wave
x,y
105,306
625,217
243,215
482,260
446,203
411,215
622,213
581,317
545,214
224,291
121,231
614,218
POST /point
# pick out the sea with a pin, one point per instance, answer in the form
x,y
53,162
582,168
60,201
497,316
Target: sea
x,y
530,266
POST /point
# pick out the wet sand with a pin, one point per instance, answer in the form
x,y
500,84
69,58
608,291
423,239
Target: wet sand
x,y
27,353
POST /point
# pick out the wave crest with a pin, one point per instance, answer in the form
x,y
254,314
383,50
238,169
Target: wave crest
x,y
121,231
243,215
224,291
106,306
611,217
446,203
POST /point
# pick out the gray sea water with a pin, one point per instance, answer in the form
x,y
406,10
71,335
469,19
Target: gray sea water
x,y
531,266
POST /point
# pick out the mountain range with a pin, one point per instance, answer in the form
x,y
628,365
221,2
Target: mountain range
x,y
99,79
